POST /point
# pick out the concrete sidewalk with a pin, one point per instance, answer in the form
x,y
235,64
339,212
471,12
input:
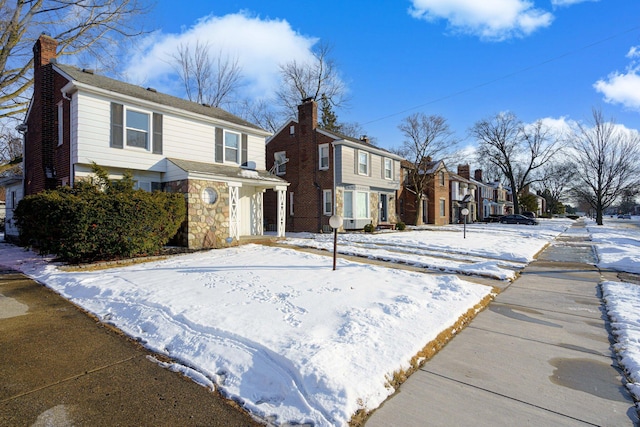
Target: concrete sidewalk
x,y
539,355
59,367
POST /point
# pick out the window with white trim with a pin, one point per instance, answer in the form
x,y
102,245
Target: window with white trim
x,y
388,169
281,169
327,202
137,129
356,205
231,146
442,208
363,163
323,155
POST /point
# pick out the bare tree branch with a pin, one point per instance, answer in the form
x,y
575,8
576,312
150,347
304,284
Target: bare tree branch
x,y
607,160
427,138
311,80
515,149
94,29
210,81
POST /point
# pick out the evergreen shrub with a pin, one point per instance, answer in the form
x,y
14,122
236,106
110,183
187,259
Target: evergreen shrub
x,y
99,220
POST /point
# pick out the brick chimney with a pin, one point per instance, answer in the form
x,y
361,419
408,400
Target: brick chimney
x,y
44,51
307,115
42,132
464,171
477,174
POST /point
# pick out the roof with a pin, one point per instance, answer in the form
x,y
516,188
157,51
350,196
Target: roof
x,y
456,177
342,137
431,166
148,94
229,172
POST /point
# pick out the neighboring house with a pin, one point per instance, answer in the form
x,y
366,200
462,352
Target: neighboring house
x,y
483,193
217,160
501,201
329,174
13,193
463,195
541,202
436,198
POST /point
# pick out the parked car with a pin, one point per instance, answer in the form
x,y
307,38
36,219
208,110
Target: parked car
x,y
518,219
626,216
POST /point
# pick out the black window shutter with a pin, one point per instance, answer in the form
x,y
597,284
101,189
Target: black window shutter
x,y
157,133
117,130
219,146
243,158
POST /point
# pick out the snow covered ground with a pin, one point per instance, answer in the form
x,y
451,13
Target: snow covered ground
x,y
293,341
617,243
492,250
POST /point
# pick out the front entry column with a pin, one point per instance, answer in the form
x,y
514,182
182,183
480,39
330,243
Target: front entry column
x,y
282,210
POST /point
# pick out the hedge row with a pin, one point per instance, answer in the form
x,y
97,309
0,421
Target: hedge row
x,y
99,220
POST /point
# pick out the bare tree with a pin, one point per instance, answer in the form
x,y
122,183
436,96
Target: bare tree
x,y
10,147
607,160
426,137
555,182
515,149
92,27
207,80
260,112
302,80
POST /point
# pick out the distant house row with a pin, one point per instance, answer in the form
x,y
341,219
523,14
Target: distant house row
x,y
238,180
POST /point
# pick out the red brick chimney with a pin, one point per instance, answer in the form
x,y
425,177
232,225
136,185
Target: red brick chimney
x,y
477,174
44,50
307,115
41,136
464,171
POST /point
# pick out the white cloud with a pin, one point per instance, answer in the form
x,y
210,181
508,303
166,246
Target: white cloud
x,y
623,88
560,3
259,45
634,52
488,19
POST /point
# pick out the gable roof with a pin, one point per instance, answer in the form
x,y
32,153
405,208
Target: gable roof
x,y
355,142
88,78
430,167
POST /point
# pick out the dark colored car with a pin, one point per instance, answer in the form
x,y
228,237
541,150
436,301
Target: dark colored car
x,y
518,219
529,214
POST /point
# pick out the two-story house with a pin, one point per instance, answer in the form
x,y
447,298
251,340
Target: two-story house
x,y
463,195
329,174
435,197
217,160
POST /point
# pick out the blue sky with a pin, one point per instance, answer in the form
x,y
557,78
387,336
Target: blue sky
x,y
462,59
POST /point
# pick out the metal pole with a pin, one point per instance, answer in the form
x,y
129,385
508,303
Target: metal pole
x,y
464,232
335,246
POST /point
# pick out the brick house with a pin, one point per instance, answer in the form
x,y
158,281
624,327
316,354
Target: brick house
x,y
217,160
329,174
436,194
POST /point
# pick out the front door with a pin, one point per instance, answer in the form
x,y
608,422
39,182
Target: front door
x,y
383,208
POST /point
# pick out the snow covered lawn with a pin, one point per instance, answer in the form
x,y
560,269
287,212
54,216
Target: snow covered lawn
x,y
498,251
293,341
617,243
273,328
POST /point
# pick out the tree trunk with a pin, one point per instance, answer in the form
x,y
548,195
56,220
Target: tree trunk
x,y
418,210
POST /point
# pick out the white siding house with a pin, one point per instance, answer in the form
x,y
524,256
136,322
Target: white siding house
x,y
213,157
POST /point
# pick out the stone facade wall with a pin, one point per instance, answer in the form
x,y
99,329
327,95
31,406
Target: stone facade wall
x,y
207,225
